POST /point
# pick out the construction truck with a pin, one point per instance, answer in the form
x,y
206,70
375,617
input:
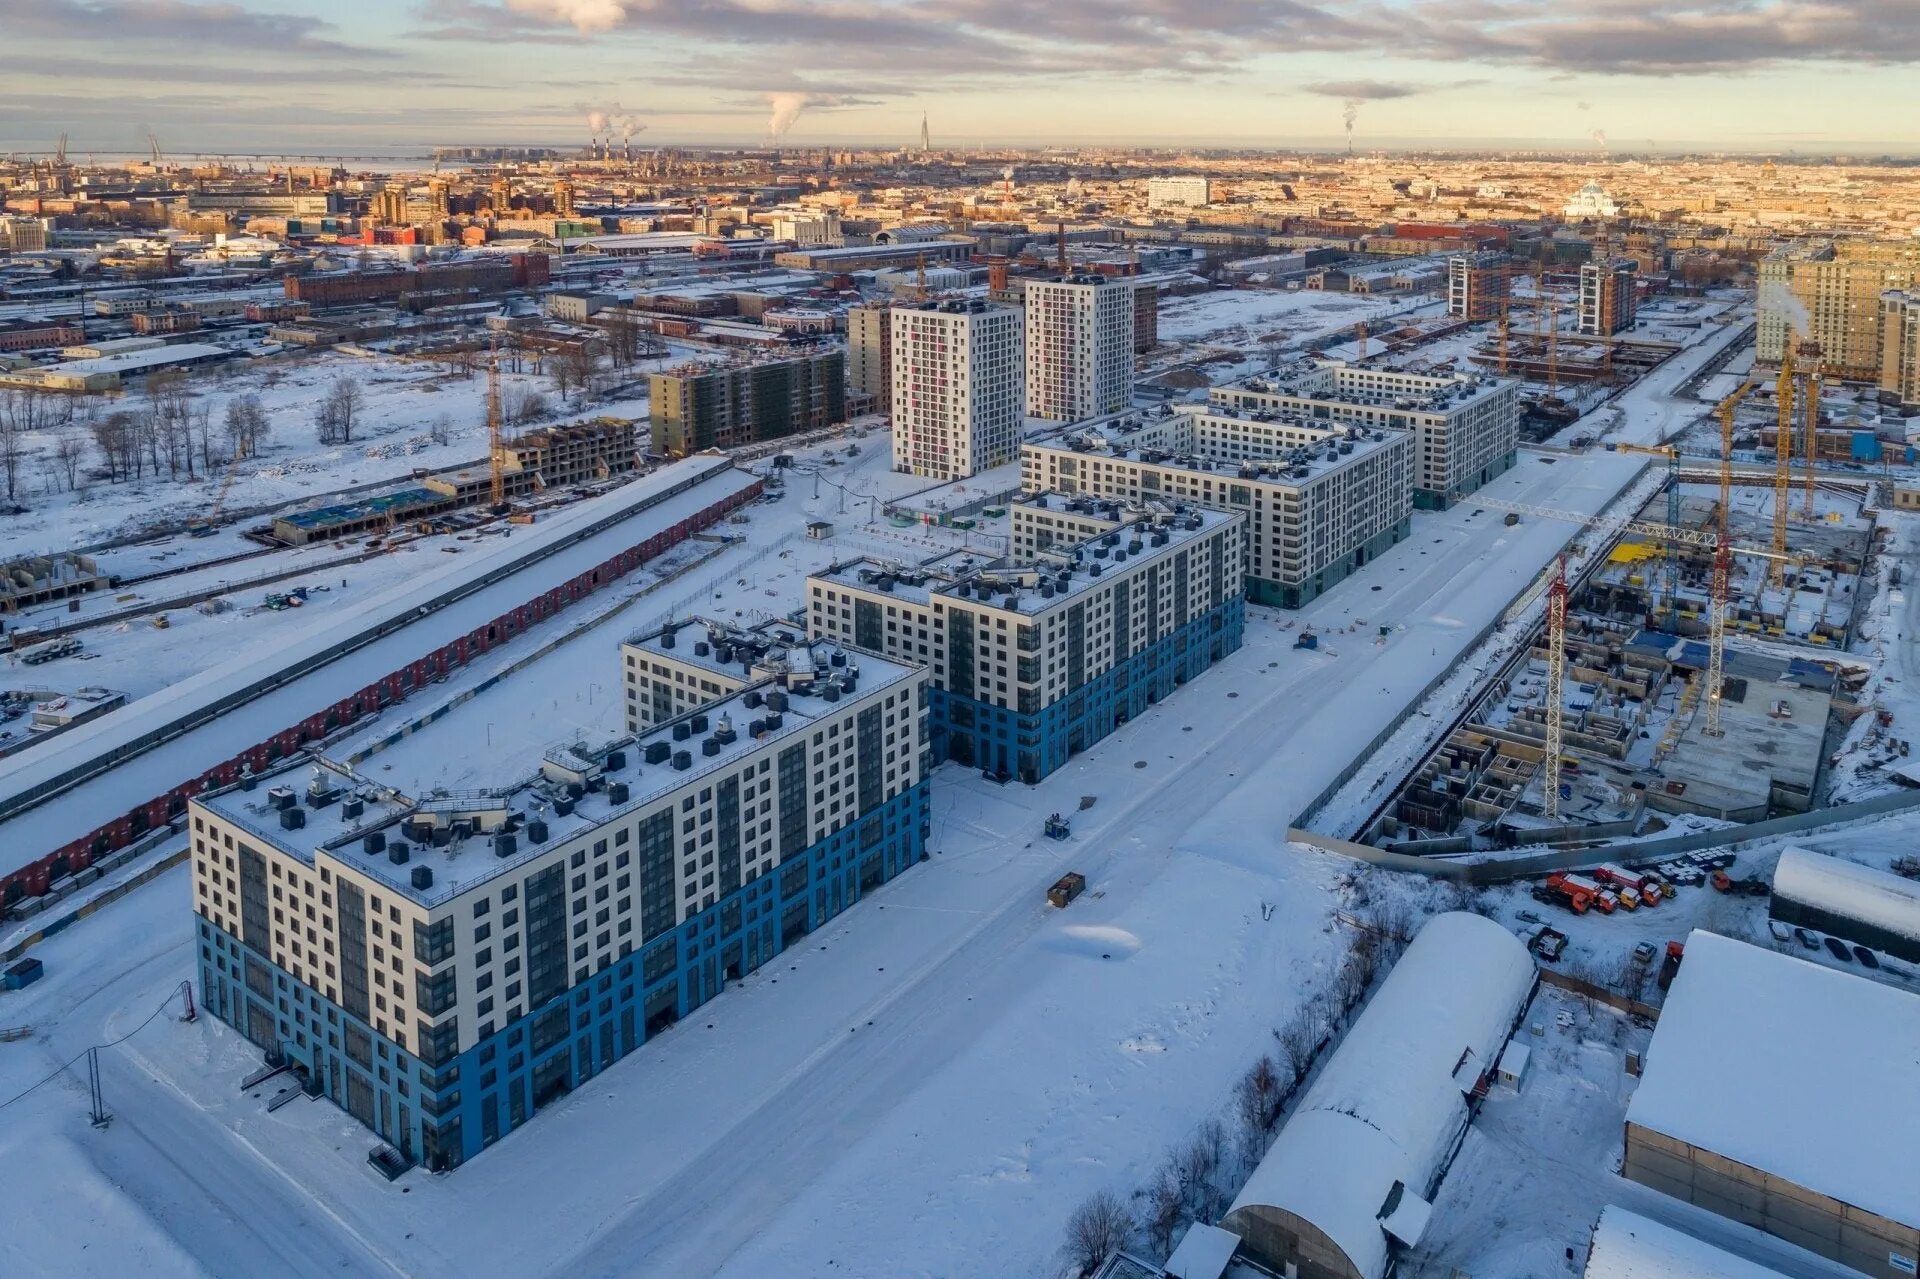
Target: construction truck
x,y
1645,887
1670,966
1066,888
1575,893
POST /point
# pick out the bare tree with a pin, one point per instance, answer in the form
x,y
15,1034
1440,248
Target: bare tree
x,y
339,411
1256,1104
116,438
529,406
1098,1228
440,430
1297,1043
13,449
246,425
69,452
1162,1209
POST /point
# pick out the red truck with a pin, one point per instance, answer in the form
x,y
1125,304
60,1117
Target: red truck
x,y
1578,894
1645,887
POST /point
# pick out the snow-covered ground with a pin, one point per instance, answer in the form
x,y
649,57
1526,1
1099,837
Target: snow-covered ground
x,y
403,399
1226,315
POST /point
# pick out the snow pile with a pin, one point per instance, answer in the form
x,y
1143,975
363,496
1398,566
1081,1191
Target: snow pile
x,y
1390,1102
1798,1070
1629,1246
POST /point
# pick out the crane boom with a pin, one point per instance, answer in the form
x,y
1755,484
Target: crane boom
x,y
1725,412
1556,689
1782,452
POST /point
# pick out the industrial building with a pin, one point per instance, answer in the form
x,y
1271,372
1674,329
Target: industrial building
x,y
1626,1245
1858,904
1900,347
1829,291
1607,298
1779,1092
958,388
875,257
1036,659
1466,426
1080,341
444,966
1348,1186
870,353
481,276
1477,286
111,372
1320,500
707,406
1179,193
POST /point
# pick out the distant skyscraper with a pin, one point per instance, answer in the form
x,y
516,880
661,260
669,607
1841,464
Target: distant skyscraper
x,y
957,387
1079,347
926,142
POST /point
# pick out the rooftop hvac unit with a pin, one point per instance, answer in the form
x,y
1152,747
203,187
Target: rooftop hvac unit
x,y
280,797
292,818
352,808
774,721
699,723
397,853
563,807
682,731
658,752
537,831
750,700
617,793
375,843
442,836
615,761
422,878
682,760
710,746
505,845
701,648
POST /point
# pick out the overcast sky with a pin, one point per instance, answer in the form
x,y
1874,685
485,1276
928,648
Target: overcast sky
x,y
1769,75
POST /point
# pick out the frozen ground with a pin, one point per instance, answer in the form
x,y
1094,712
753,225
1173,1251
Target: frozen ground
x,y
1229,315
402,400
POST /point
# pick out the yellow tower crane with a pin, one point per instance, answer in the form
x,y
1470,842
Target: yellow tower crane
x,y
1725,412
1556,689
496,447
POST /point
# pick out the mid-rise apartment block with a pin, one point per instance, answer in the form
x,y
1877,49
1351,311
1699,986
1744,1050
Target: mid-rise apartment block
x,y
705,406
870,352
442,966
1466,426
1607,298
1320,501
958,387
1080,340
1178,192
1037,658
1829,291
1900,347
1476,287
23,235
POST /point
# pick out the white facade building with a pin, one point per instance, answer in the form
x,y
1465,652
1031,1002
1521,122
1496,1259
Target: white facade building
x,y
1079,347
1466,425
1591,201
1178,193
958,388
1320,500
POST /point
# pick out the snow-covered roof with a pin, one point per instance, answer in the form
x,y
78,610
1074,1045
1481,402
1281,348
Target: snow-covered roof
x,y
1798,1070
1874,897
1629,1246
1386,1108
1205,1252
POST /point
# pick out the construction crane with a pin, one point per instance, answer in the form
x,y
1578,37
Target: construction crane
x,y
1723,553
1725,412
1552,312
1815,373
153,143
496,449
204,525
1672,559
1782,453
1556,686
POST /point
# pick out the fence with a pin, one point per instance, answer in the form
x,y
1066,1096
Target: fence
x,y
1507,869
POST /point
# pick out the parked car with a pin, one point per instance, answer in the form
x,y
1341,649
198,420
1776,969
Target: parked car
x,y
1643,953
1866,957
1839,950
1806,939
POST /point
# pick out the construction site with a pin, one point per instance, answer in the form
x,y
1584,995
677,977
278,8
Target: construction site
x,y
1685,667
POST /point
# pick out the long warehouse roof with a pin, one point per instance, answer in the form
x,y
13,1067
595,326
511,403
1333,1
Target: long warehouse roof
x,y
561,548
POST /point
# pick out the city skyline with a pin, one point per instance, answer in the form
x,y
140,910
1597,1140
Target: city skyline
x,y
1778,77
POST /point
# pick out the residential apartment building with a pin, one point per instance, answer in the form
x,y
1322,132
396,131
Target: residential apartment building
x,y
1034,660
705,406
1829,291
443,966
1607,298
1476,287
1179,193
1320,501
579,453
1900,347
23,235
958,387
1079,346
870,352
1466,426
